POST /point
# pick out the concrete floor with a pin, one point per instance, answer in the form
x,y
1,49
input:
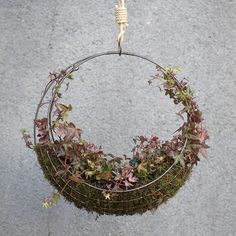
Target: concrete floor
x,y
113,102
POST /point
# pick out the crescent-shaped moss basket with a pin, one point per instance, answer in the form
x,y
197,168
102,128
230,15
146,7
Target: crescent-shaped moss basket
x,y
122,203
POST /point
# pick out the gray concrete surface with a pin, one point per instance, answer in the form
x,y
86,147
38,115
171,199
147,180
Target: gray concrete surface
x,y
113,102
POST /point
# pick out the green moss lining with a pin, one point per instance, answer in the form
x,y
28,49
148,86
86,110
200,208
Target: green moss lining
x,y
125,203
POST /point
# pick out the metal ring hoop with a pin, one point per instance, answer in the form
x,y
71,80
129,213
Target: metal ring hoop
x,y
72,68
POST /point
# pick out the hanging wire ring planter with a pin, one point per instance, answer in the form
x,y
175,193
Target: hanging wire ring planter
x,y
106,195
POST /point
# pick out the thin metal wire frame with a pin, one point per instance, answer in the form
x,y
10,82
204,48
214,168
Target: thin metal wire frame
x,y
59,81
48,86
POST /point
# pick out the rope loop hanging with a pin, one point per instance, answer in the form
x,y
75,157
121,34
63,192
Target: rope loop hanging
x,y
122,21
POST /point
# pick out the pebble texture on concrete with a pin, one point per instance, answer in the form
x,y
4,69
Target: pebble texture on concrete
x,y
113,102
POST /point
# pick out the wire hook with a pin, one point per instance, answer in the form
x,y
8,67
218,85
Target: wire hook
x,y
119,47
122,21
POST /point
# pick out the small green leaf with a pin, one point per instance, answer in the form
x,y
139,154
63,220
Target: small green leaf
x,y
63,111
49,202
89,174
167,69
180,159
70,76
106,175
91,164
27,138
176,69
107,195
141,167
57,88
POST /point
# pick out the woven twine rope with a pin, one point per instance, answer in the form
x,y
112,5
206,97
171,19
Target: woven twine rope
x,y
122,19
